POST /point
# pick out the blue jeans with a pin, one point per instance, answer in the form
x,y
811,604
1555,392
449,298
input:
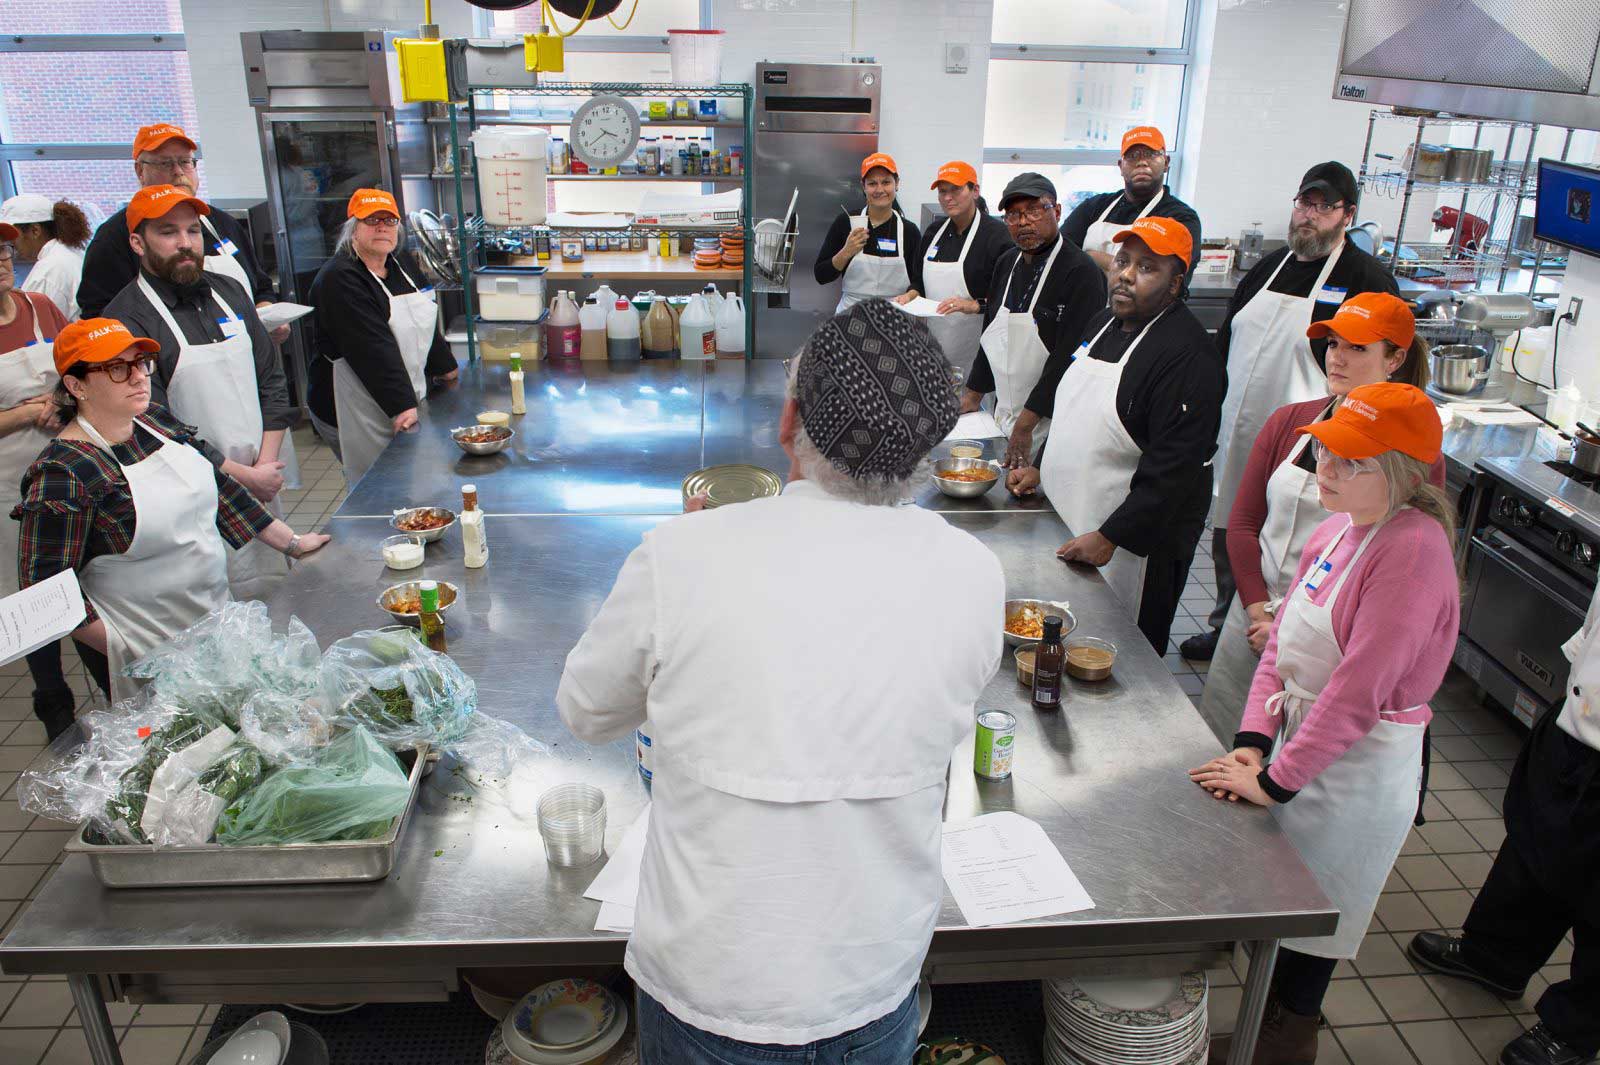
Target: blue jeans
x,y
665,1040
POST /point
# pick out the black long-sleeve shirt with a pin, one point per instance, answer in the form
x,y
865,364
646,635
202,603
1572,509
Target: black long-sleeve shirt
x,y
1170,401
352,322
1126,212
991,241
1074,293
109,263
194,309
835,238
1354,273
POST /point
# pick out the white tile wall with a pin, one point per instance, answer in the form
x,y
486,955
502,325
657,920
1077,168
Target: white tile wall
x,y
1579,359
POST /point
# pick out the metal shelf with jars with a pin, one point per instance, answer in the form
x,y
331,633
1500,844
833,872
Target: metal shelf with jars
x,y
1493,175
687,106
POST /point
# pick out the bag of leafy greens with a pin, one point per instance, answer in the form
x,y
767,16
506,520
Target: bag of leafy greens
x,y
353,790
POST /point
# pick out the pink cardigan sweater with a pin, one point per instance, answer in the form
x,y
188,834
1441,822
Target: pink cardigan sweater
x,y
1396,620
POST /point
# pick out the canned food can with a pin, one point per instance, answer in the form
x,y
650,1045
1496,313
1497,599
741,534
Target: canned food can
x,y
991,753
643,748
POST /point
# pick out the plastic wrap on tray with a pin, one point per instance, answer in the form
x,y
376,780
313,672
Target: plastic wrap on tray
x,y
353,790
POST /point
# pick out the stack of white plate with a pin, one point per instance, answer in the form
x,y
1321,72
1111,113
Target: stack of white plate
x,y
564,1022
1159,1021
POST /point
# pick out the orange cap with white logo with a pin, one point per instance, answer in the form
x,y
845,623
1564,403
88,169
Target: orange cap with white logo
x,y
956,173
149,138
96,340
1373,419
154,201
1370,316
1148,136
367,202
1164,236
879,159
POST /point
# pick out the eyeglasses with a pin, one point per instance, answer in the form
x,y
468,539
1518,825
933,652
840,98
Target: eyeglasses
x,y
171,166
119,370
1141,154
1032,214
1342,469
1317,206
7,252
386,221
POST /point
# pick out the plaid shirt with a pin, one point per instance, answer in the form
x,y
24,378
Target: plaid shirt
x,y
76,504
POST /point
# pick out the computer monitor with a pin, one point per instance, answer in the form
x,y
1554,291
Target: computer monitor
x,y
1567,208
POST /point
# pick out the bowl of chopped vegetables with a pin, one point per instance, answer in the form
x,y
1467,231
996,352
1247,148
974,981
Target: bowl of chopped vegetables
x,y
1025,620
965,478
404,601
424,524
482,439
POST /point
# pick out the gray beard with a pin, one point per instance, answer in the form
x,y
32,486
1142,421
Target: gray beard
x,y
1317,247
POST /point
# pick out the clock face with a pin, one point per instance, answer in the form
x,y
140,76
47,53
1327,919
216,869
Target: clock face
x,y
605,131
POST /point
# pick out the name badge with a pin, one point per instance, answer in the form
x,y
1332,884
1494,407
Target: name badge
x,y
1331,294
1320,568
231,327
888,245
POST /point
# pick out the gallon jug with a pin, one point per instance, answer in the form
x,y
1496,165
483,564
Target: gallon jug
x,y
605,296
592,323
697,330
730,328
563,335
660,331
622,332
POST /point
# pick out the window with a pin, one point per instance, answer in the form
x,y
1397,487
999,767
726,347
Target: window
x,y
1121,63
111,84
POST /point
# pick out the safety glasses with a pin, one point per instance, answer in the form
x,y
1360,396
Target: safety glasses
x,y
1342,469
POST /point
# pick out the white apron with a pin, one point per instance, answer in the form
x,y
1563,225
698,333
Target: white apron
x,y
213,388
175,571
222,258
1270,364
364,430
1349,821
27,372
1016,354
1294,510
867,276
957,333
1091,458
1098,238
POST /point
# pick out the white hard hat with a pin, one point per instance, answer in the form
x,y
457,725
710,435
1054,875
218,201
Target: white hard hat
x,y
28,207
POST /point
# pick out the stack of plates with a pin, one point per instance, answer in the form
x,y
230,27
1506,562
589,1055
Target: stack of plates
x,y
732,251
1126,1021
564,1022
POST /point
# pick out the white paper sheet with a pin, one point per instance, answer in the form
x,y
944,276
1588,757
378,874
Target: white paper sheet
x,y
921,307
1002,868
979,425
276,314
39,615
617,886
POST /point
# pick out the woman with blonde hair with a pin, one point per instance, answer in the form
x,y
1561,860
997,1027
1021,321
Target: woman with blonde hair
x,y
1331,738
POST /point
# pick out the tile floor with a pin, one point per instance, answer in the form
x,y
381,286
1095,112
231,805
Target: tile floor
x,y
1380,1010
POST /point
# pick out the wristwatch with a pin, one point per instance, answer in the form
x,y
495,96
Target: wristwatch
x,y
293,550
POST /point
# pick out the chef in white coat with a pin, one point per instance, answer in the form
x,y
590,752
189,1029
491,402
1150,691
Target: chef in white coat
x,y
957,259
1094,223
1039,303
216,368
51,237
136,504
873,252
1127,465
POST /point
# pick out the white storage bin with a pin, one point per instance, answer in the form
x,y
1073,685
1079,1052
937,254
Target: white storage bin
x,y
512,174
509,297
497,341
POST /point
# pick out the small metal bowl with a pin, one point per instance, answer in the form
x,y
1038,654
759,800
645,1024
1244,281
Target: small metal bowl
x,y
492,447
1090,672
1068,622
965,489
447,596
426,536
1025,660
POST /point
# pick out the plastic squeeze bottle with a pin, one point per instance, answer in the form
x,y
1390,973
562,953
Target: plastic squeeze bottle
x,y
519,399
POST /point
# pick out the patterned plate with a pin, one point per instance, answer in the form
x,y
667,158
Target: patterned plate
x,y
1174,1013
1064,1018
955,1052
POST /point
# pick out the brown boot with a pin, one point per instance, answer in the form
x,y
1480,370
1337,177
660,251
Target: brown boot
x,y
1287,1038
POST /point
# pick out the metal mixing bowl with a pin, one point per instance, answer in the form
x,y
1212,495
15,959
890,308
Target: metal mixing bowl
x,y
489,448
1060,610
1459,369
966,489
447,595
427,536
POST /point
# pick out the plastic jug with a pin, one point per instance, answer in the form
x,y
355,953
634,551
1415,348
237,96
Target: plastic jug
x,y
730,328
697,330
622,332
660,331
605,296
592,324
563,335
512,163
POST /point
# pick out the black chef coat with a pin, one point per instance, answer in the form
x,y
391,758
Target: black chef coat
x,y
109,264
826,274
992,241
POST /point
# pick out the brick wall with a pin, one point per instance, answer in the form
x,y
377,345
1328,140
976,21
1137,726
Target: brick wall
x,y
90,16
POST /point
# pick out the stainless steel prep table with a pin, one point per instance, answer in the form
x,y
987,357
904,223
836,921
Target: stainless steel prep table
x,y
1177,877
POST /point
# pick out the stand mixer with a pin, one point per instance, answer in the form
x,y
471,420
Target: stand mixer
x,y
1468,363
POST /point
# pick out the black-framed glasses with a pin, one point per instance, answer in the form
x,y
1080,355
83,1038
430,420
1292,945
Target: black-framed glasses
x,y
119,370
385,221
172,166
1032,214
1141,154
7,252
1309,206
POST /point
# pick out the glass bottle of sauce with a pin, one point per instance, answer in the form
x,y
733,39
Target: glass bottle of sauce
x,y
1048,662
428,616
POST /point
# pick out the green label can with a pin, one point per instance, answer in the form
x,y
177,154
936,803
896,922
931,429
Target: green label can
x,y
991,753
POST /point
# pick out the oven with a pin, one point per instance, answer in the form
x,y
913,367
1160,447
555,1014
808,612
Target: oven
x,y
1532,544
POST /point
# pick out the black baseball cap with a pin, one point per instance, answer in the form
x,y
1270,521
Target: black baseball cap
x,y
1028,186
1333,180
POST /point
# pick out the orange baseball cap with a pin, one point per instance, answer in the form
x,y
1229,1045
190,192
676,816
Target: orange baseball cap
x,y
154,201
364,203
9,231
1164,236
149,138
1370,316
1373,419
96,340
956,173
1148,136
879,159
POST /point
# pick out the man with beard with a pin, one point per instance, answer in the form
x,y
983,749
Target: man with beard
x,y
216,369
1128,464
1094,223
1270,361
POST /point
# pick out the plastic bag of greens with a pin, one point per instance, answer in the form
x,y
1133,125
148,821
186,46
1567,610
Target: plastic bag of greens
x,y
189,811
285,729
352,791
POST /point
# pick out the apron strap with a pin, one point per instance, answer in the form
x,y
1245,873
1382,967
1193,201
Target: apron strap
x,y
100,441
1044,275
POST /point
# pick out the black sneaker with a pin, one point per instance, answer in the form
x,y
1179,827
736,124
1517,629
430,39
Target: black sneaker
x,y
1200,647
1443,954
1539,1046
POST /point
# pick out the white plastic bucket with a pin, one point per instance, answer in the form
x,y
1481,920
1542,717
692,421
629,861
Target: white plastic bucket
x,y
512,168
696,56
